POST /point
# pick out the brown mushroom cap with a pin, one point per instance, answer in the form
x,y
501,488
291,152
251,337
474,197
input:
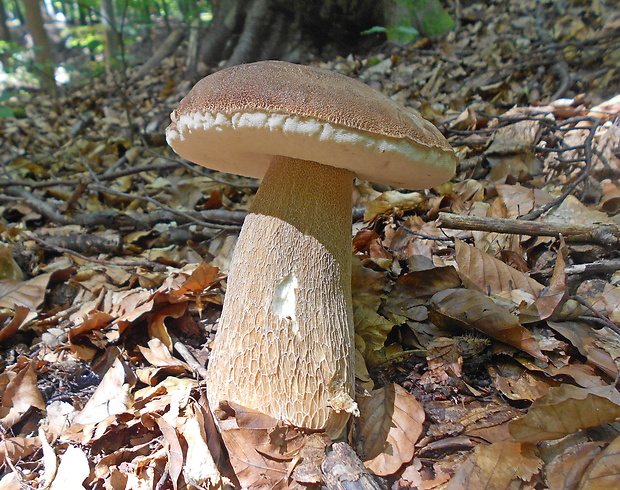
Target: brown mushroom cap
x,y
236,119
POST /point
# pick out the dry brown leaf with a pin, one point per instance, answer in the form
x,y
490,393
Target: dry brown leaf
x,y
95,320
553,297
517,383
480,271
200,467
390,424
111,397
174,450
73,469
19,395
604,472
203,278
158,355
494,243
261,453
156,322
425,283
393,202
590,344
15,448
565,410
567,468
444,361
497,466
127,307
7,331
471,309
29,293
371,328
520,200
610,202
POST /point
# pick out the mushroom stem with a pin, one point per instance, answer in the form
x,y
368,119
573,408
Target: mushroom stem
x,y
284,345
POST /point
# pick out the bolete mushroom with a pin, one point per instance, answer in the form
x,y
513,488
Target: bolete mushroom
x,y
285,344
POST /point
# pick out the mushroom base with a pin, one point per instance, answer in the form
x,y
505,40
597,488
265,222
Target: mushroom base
x,y
285,343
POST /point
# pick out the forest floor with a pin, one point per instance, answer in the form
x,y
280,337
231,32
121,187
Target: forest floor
x,y
487,310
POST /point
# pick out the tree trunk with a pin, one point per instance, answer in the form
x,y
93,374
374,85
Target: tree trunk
x,y
251,30
34,19
5,33
111,38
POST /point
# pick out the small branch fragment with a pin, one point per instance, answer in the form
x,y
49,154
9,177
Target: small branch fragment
x,y
343,470
606,235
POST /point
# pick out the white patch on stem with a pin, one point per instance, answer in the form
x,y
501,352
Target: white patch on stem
x,y
283,303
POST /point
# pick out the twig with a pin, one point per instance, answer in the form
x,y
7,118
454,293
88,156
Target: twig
x,y
189,217
137,263
585,173
427,237
38,205
188,357
343,470
604,320
594,267
607,235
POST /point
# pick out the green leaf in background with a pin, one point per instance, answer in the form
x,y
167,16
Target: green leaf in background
x,y
432,20
407,19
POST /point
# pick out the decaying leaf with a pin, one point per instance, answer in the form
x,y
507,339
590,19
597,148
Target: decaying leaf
x,y
23,293
480,271
389,426
73,469
567,468
472,309
19,394
204,277
497,466
392,202
111,397
261,453
604,471
567,409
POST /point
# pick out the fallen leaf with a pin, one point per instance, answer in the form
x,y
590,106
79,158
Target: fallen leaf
x,y
156,321
471,309
21,312
20,394
111,397
390,423
567,409
604,471
480,271
16,448
29,293
174,450
203,278
392,202
497,466
567,468
73,469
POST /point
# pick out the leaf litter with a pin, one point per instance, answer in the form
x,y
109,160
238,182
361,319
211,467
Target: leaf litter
x,y
487,353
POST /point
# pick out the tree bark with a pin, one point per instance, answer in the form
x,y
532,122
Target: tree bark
x,y
250,30
111,38
5,34
34,19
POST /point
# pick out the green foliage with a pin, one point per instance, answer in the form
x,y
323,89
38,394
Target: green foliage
x,y
5,110
407,19
403,34
90,37
433,20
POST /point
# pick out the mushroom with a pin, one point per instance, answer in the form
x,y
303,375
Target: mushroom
x,y
285,343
